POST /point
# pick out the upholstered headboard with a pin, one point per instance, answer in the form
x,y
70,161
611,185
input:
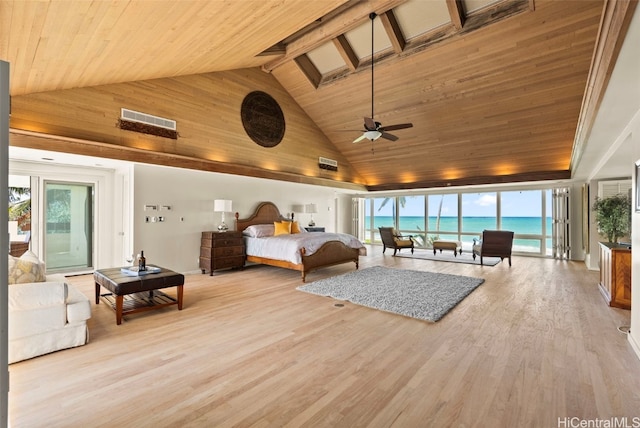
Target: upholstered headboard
x,y
265,213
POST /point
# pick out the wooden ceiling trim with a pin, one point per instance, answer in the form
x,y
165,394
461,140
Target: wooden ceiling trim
x,y
309,70
34,140
456,11
393,31
613,29
332,28
474,181
277,49
348,55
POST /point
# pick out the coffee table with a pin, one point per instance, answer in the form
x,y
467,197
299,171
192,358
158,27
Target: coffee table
x,y
131,294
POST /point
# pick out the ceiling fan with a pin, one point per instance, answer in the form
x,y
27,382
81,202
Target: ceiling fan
x,y
372,129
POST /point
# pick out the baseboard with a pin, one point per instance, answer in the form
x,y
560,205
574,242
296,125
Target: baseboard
x,y
634,344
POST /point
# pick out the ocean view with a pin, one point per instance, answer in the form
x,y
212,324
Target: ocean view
x,y
472,225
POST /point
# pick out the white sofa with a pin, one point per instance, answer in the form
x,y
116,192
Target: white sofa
x,y
45,317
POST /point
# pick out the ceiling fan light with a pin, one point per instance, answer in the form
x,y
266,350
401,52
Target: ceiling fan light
x,y
373,135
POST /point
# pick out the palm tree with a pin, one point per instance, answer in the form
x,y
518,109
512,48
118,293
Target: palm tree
x,y
402,200
20,207
437,235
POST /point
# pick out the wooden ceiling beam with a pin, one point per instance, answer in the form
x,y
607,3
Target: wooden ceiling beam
x,y
393,30
346,51
309,70
340,24
54,143
456,12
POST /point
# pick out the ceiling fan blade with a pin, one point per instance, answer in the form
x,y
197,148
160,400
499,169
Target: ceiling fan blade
x,y
389,136
396,127
360,138
370,124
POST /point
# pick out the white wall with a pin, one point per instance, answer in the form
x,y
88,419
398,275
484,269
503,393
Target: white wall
x,y
634,336
175,243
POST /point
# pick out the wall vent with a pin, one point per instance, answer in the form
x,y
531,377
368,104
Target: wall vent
x,y
148,119
612,188
326,163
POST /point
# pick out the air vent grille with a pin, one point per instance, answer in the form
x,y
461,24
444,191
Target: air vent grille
x,y
148,119
326,163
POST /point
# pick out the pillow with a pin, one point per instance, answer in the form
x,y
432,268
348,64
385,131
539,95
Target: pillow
x,y
295,227
27,268
259,230
282,228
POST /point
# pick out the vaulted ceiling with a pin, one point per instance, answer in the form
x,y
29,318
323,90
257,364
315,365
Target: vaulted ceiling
x,y
497,91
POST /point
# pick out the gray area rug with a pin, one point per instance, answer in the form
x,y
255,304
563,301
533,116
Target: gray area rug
x,y
447,256
424,295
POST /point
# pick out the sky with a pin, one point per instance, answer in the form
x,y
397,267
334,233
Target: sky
x,y
525,203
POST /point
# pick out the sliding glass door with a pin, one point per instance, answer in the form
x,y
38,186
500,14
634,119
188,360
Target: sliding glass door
x,y
68,219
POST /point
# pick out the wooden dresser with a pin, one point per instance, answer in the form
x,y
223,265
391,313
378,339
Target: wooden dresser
x,y
221,250
615,274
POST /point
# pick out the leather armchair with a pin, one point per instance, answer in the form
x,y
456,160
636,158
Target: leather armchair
x,y
494,243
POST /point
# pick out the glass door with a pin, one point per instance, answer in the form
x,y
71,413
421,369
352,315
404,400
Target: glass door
x,y
68,218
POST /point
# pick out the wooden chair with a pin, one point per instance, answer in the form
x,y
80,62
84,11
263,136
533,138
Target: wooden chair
x,y
494,243
391,239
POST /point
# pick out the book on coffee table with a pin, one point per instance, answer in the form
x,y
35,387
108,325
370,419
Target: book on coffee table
x,y
134,271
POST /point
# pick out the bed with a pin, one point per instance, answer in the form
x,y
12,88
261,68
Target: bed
x,y
304,252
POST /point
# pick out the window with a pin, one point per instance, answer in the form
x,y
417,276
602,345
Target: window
x,y
463,216
411,218
522,213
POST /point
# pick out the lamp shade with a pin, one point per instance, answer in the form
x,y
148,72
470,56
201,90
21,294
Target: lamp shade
x,y
311,208
222,205
298,208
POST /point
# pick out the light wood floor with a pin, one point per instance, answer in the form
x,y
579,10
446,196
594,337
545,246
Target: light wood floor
x,y
534,343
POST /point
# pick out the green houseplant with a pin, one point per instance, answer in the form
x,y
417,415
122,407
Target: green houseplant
x,y
613,216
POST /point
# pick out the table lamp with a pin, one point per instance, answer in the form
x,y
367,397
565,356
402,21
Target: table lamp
x,y
222,206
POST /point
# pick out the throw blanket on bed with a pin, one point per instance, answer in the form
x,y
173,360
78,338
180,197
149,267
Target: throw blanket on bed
x,y
287,247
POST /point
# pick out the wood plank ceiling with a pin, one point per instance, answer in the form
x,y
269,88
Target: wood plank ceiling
x,y
494,89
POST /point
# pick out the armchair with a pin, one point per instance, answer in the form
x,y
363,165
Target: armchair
x,y
391,239
494,243
45,313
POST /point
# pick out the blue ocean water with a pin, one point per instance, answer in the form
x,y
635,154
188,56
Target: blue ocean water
x,y
473,226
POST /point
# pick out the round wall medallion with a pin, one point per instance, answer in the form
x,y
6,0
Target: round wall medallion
x,y
262,119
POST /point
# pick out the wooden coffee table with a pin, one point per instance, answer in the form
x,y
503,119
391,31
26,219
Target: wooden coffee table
x,y
131,294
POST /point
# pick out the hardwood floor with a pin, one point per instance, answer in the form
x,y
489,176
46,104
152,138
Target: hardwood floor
x,y
534,343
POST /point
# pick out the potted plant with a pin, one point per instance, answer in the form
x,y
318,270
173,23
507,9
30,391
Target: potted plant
x,y
613,216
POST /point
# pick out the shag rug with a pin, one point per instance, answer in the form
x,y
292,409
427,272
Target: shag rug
x,y
424,295
447,256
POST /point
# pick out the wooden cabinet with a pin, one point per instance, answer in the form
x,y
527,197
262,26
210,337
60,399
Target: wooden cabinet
x,y
615,274
221,250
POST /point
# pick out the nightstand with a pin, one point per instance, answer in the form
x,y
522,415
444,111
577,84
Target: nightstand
x,y
314,229
221,250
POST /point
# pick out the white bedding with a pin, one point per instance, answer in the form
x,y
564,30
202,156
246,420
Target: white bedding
x,y
287,247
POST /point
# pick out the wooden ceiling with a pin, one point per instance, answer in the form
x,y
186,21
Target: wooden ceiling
x,y
494,89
